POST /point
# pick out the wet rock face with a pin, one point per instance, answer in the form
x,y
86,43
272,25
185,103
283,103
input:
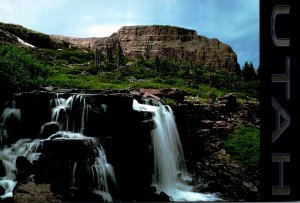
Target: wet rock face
x,y
2,169
24,168
69,149
49,129
125,136
123,133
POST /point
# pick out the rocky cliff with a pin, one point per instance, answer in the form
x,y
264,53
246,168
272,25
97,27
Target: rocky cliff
x,y
165,42
125,136
162,41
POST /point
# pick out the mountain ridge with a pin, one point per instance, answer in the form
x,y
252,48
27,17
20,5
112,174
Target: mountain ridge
x,y
139,41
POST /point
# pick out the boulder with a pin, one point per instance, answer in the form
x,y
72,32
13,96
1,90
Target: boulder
x,y
24,168
70,149
2,169
228,102
48,129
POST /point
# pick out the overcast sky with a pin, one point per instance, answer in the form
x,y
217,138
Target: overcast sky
x,y
234,22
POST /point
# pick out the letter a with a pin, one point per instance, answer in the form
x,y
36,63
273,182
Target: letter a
x,y
280,127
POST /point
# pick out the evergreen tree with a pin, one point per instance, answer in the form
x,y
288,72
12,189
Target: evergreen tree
x,y
120,54
248,72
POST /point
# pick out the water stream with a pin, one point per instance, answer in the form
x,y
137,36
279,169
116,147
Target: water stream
x,y
9,154
71,114
68,112
8,120
170,173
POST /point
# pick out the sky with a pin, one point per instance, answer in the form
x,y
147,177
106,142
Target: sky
x,y
234,22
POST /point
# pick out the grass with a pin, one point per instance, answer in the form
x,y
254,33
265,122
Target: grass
x,y
62,80
243,146
66,77
197,82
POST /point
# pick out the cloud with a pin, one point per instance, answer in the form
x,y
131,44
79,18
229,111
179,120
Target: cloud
x,y
235,22
102,30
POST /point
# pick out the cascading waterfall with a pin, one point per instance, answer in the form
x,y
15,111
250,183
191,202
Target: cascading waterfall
x,y
9,114
71,114
170,173
103,172
9,154
100,173
92,171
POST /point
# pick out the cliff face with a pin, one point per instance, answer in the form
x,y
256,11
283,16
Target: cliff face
x,y
165,42
175,43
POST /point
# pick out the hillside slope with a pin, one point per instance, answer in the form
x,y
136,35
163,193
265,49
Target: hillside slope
x,y
165,42
137,42
13,34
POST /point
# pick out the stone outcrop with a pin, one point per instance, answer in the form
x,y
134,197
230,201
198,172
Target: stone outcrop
x,y
164,42
137,42
127,144
204,126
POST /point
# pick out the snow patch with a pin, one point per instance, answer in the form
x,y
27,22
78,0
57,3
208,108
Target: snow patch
x,y
25,43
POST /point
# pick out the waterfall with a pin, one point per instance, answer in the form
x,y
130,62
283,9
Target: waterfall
x,y
10,116
78,163
170,173
103,172
9,154
100,173
71,114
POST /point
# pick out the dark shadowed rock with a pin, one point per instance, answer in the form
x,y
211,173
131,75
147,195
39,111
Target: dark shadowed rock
x,y
2,190
161,197
228,102
49,129
2,169
24,168
70,149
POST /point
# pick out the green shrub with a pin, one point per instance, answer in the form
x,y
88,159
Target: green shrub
x,y
71,56
243,145
20,69
169,101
